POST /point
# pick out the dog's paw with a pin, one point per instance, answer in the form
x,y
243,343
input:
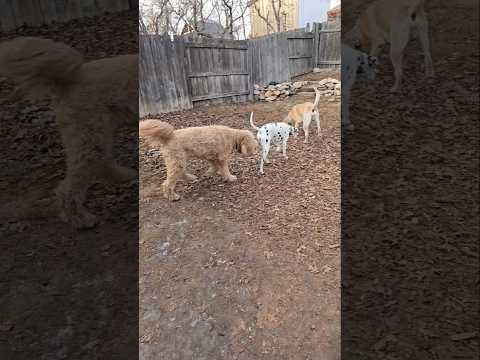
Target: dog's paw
x,y
84,220
190,177
429,73
173,197
231,178
395,89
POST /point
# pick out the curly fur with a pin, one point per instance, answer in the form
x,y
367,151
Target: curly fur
x,y
90,100
303,114
212,143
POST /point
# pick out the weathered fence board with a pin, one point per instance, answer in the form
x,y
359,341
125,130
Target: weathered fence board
x,y
300,53
217,70
16,13
163,86
269,58
328,45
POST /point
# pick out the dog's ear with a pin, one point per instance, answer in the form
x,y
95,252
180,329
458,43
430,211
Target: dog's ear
x,y
247,144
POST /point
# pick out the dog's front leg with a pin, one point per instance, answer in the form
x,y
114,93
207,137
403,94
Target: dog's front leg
x,y
284,148
421,24
263,156
70,195
399,39
307,118
225,171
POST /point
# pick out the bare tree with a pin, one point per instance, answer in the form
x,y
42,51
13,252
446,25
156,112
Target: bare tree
x,y
235,10
272,16
180,16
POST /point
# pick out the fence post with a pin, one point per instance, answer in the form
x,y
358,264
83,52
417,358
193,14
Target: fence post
x,y
316,42
251,85
188,104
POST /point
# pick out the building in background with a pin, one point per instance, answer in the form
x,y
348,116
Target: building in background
x,y
267,16
334,14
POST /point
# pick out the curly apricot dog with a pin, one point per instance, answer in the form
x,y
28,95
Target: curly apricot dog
x,y
91,99
212,143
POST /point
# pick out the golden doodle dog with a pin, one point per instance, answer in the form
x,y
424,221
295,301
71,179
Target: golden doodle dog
x,y
303,114
212,143
90,100
390,21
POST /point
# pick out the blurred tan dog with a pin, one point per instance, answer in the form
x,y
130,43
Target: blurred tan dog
x,y
390,21
303,114
90,100
212,143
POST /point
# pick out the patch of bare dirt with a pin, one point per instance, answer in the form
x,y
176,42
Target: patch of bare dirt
x,y
245,270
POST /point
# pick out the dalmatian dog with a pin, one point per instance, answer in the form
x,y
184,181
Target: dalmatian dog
x,y
355,64
271,134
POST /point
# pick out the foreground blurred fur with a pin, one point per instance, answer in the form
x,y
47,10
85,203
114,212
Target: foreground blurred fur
x,y
90,100
391,21
303,114
212,143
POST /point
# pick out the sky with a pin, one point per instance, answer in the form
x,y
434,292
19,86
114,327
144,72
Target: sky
x,y
309,11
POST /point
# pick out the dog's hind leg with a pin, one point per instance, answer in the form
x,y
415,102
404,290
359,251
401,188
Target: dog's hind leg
x,y
421,24
175,170
317,120
398,40
307,118
212,169
264,155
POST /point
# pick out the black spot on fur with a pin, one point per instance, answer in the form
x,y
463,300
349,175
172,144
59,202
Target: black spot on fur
x,y
414,16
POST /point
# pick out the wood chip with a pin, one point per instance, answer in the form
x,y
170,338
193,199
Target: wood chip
x,y
463,336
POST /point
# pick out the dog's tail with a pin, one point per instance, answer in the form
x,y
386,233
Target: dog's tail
x,y
251,122
156,131
317,99
40,67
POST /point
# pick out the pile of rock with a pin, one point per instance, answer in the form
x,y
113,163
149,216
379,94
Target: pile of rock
x,y
275,91
328,88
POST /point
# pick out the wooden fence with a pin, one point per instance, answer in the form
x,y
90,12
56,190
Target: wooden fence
x,y
162,77
217,70
16,13
179,73
327,38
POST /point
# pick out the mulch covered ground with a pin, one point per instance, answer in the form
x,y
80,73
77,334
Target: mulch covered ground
x,y
249,269
410,199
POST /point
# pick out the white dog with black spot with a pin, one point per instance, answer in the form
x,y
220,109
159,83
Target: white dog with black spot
x,y
274,133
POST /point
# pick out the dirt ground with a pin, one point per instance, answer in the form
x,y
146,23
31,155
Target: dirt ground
x,y
251,269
